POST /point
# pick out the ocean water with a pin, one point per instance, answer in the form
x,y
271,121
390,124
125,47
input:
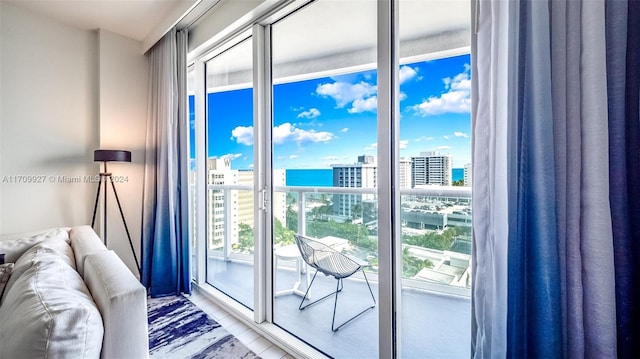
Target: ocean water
x,y
310,177
324,177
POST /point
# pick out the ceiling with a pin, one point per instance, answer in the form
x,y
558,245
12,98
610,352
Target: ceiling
x,y
136,19
339,35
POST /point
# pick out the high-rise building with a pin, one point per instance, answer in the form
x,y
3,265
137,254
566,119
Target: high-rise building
x,y
468,177
279,205
362,174
405,172
431,168
245,205
226,216
219,172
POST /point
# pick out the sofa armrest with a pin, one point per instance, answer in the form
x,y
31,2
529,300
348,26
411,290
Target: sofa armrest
x,y
84,242
122,301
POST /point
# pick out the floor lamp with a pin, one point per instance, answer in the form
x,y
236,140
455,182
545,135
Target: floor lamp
x,y
105,156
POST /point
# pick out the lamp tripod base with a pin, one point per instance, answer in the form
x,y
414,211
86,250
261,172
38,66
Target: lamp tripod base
x,y
104,178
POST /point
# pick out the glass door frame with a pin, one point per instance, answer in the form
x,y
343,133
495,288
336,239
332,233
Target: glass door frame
x,y
390,249
263,186
389,219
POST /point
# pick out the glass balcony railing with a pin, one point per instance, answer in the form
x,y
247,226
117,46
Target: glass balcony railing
x,y
436,228
436,242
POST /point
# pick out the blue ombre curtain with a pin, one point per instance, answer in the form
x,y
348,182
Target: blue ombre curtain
x,y
556,165
623,82
165,245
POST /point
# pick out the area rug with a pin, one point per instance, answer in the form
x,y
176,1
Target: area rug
x,y
179,329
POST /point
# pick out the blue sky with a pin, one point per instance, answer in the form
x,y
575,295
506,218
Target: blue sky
x,y
330,120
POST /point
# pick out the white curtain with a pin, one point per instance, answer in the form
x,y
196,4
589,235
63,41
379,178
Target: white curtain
x,y
494,33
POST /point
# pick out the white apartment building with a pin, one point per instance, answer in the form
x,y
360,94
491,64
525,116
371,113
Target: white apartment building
x,y
219,172
431,168
245,205
280,198
362,174
468,177
405,172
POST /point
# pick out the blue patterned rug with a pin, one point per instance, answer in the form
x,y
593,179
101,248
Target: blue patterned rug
x,y
179,329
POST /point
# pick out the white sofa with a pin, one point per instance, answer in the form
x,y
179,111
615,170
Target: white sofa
x,y
67,296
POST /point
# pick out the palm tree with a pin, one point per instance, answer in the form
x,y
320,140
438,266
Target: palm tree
x,y
411,265
356,211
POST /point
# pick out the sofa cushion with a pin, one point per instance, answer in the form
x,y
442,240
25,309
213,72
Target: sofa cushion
x,y
54,246
84,242
13,248
5,273
122,300
49,313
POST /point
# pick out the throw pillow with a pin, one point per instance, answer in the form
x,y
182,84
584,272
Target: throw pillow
x,y
13,248
48,250
5,273
49,313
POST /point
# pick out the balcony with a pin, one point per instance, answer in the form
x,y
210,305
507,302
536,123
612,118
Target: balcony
x,y
436,305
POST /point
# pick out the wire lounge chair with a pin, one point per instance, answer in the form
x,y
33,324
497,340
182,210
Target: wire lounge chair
x,y
331,262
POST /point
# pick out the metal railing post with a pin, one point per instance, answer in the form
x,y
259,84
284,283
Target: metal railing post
x,y
302,218
228,227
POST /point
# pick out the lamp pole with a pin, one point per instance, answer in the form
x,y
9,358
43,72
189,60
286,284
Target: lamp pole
x,y
107,156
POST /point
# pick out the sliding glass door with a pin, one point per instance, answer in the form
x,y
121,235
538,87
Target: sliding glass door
x,y
229,171
435,171
325,171
313,128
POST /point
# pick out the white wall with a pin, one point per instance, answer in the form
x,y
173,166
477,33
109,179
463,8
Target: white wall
x,y
123,92
65,92
48,120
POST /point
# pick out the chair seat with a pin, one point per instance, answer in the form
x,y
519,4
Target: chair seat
x,y
328,261
337,265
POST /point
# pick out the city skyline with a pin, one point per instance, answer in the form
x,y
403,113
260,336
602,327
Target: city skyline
x,y
332,120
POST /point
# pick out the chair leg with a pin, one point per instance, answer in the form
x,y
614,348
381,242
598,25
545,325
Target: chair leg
x,y
370,291
335,305
338,289
300,307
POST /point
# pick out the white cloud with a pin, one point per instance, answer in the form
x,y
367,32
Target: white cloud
x,y
372,146
311,114
445,137
440,148
243,135
407,73
361,105
288,132
281,134
456,99
311,123
293,157
460,134
345,93
232,156
424,138
345,130
331,160
403,144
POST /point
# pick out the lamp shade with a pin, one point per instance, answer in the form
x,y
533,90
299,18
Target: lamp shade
x,y
112,156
